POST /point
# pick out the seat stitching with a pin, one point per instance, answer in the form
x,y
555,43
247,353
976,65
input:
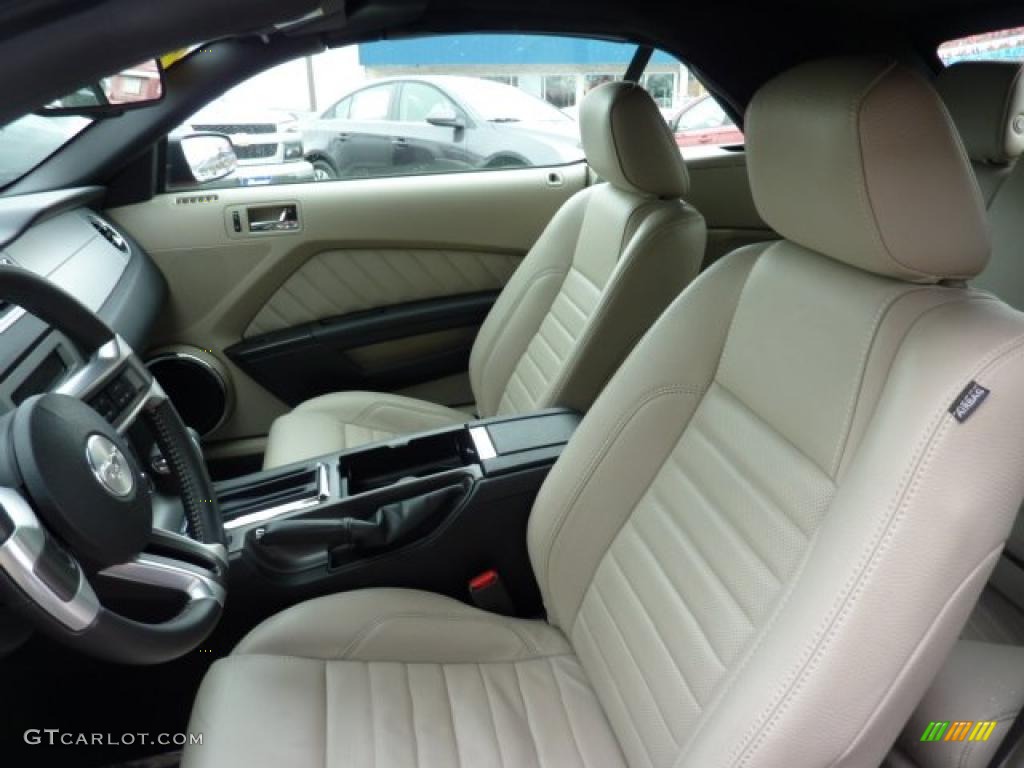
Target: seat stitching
x,y
359,637
771,427
868,345
718,512
558,321
989,557
327,717
451,713
601,452
513,308
694,550
657,631
526,713
581,622
863,197
373,712
622,266
923,453
565,711
490,713
412,713
662,575
739,473
528,358
596,591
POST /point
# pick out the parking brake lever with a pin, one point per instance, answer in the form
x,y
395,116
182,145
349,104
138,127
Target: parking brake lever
x,y
389,525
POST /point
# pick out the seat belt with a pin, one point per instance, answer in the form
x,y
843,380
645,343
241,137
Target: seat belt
x,y
638,64
1011,741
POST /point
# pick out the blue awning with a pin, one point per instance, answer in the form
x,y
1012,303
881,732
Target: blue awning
x,y
504,50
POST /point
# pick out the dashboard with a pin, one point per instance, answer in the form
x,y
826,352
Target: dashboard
x,y
60,236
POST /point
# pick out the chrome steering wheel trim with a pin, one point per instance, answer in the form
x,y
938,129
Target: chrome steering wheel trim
x,y
196,582
20,556
110,360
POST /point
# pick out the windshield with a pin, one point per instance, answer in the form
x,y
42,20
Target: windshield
x,y
503,103
29,140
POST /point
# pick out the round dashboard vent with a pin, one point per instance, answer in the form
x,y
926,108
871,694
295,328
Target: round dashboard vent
x,y
109,234
197,389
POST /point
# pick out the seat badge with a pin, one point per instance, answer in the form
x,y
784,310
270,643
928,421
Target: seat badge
x,y
968,401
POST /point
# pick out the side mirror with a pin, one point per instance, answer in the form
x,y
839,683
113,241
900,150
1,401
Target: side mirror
x,y
445,117
136,86
199,158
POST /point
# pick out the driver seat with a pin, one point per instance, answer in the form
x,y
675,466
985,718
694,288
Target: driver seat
x,y
766,534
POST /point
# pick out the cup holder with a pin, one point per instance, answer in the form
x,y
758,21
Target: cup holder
x,y
368,470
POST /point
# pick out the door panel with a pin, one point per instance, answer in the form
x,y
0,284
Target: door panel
x,y
339,282
379,350
363,255
720,190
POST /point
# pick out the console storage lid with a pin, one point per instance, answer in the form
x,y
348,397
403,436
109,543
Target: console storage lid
x,y
511,443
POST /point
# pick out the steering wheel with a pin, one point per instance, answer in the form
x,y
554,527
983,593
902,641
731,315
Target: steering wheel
x,y
75,506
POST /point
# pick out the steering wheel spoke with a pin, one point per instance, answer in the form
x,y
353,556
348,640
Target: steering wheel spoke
x,y
194,569
41,569
116,384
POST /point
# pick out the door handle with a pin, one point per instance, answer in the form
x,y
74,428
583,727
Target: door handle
x,y
399,141
273,218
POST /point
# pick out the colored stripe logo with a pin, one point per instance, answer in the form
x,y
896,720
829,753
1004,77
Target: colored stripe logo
x,y
959,730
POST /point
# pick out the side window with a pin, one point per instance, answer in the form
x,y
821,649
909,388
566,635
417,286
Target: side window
x,y
420,101
703,123
340,110
1001,45
426,105
372,103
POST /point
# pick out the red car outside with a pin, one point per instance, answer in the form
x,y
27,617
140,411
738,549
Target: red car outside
x,y
704,123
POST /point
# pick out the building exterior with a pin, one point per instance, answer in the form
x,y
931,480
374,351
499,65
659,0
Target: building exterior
x,y
558,69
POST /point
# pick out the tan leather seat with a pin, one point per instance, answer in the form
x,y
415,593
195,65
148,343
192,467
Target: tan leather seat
x,y
983,679
606,266
768,530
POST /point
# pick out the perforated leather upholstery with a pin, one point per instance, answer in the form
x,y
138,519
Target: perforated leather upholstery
x,y
606,266
765,535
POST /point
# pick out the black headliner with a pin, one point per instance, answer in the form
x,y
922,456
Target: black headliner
x,y
735,45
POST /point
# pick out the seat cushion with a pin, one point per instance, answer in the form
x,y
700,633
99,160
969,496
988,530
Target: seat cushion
x,y
348,419
397,678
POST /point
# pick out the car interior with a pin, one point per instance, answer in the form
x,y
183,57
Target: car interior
x,y
526,432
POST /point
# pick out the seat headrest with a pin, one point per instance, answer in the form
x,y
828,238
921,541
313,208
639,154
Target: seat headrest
x,y
628,143
856,158
986,101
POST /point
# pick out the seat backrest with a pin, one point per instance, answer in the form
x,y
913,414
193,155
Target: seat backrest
x,y
609,262
770,527
986,101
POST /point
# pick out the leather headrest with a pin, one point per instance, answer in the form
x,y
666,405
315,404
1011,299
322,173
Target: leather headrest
x,y
986,101
628,143
856,158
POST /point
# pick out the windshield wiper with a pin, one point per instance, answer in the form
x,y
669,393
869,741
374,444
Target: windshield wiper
x,y
504,120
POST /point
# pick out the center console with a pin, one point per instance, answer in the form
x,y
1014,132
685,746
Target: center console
x,y
429,511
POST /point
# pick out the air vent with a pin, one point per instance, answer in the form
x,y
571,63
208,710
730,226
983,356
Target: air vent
x,y
192,199
109,234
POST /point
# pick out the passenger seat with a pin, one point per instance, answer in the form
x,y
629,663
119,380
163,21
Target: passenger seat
x,y
983,678
609,262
